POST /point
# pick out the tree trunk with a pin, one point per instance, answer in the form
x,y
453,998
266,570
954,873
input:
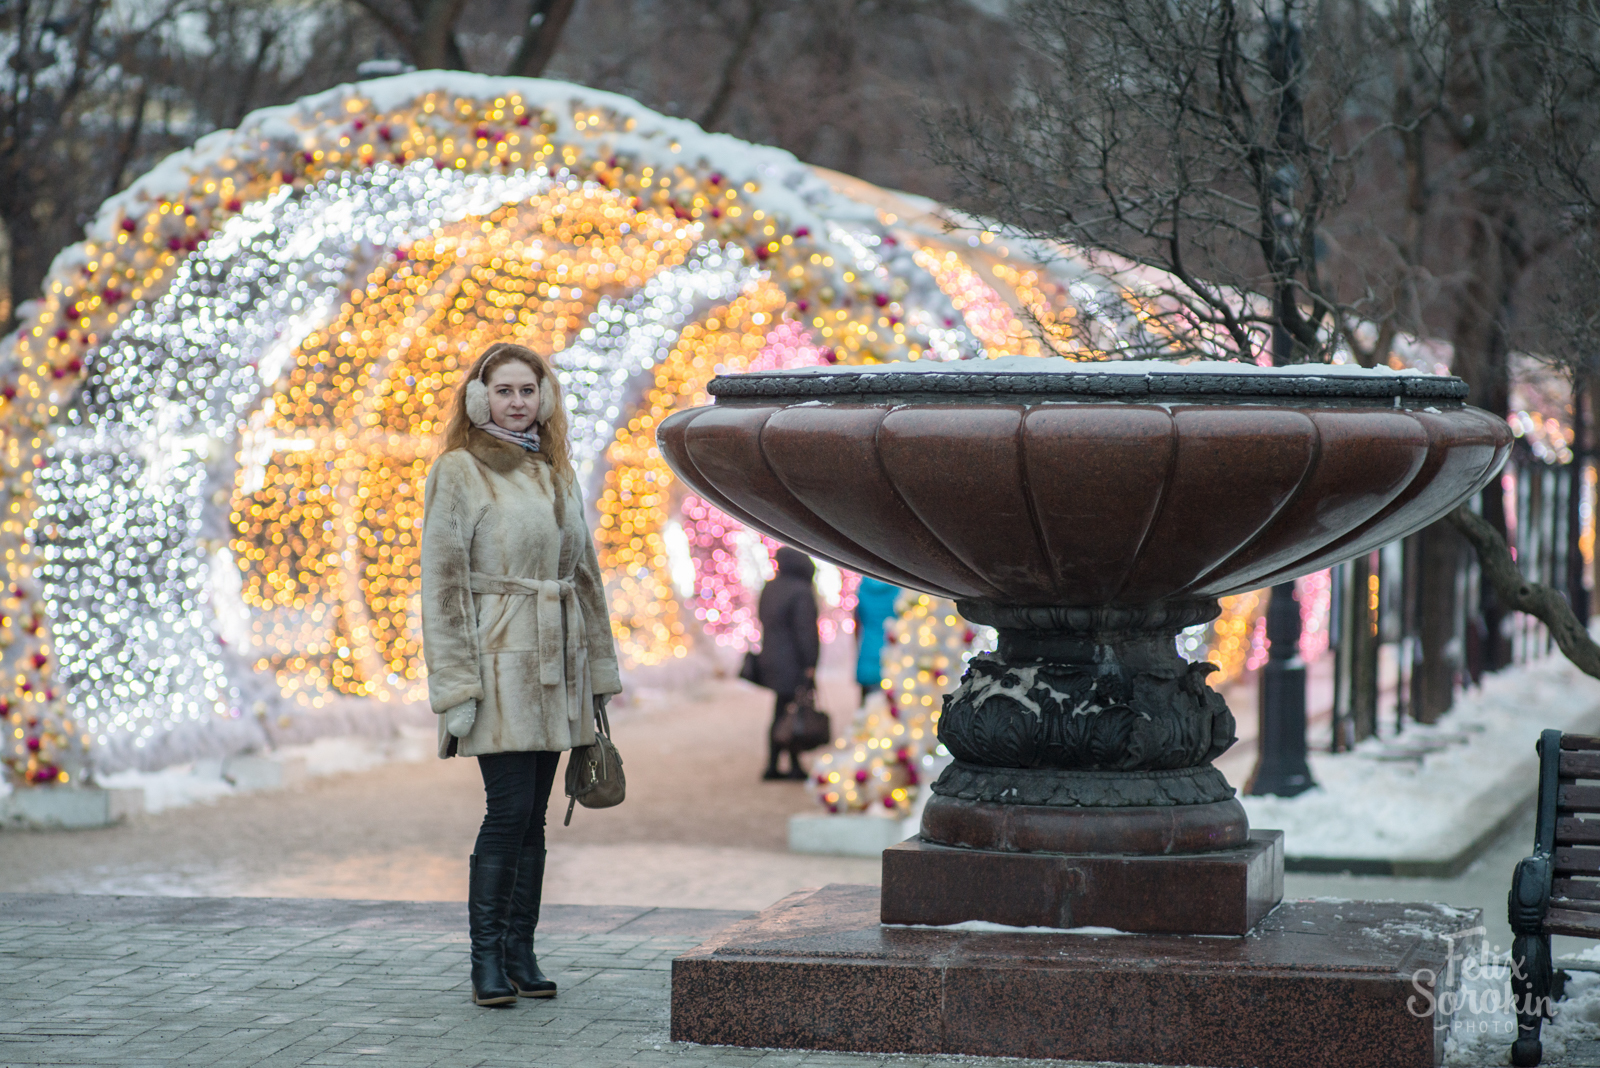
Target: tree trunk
x,y
1356,714
546,20
1482,358
1439,560
754,11
436,45
7,308
1497,647
130,139
32,247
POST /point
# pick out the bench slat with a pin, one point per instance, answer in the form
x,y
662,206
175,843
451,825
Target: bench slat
x,y
1588,908
1570,831
1580,765
1575,889
1580,741
1567,922
1579,859
1571,798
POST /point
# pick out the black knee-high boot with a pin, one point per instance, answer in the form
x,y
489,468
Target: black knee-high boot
x,y
489,887
522,965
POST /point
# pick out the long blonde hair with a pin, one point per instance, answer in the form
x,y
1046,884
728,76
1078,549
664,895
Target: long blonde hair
x,y
552,432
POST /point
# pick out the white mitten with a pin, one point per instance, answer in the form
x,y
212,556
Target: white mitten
x,y
458,720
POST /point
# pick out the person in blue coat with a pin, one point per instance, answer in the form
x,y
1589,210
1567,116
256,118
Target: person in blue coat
x,y
874,609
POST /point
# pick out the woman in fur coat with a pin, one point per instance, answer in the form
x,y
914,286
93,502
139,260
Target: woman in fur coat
x,y
516,637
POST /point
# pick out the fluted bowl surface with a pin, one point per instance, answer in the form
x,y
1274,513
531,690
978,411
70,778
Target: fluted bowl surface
x,y
1086,487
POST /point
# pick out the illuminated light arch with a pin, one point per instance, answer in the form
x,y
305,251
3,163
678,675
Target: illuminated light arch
x,y
231,359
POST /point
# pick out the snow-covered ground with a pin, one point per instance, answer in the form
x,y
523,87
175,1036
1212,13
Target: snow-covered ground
x,y
1429,792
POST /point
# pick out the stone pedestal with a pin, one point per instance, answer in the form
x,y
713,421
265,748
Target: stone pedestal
x,y
1317,984
1226,892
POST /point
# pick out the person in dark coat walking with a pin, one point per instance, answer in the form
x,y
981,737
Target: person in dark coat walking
x,y
789,644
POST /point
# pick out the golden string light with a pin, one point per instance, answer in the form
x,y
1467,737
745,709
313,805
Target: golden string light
x,y
634,505
380,376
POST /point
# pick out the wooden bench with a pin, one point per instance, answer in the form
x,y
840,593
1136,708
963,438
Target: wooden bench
x,y
1556,891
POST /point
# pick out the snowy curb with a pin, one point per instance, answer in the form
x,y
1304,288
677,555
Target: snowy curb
x,y
1425,803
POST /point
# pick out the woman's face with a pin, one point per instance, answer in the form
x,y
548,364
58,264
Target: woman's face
x,y
513,395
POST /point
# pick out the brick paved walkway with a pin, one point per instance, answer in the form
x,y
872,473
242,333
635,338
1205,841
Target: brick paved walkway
x,y
281,983
235,982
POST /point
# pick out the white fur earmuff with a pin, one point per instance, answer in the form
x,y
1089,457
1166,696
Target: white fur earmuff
x,y
478,402
547,402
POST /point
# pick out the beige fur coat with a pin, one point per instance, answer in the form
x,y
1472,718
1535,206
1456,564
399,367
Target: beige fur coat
x,y
513,609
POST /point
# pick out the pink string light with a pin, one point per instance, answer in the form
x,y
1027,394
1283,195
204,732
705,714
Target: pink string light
x,y
722,601
1315,594
789,344
726,592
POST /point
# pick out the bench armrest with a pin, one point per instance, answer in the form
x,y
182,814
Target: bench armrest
x,y
1529,899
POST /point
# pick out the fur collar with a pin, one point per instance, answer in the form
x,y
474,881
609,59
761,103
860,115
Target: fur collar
x,y
501,457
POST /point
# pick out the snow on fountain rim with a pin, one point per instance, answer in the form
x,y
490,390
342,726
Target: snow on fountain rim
x,y
1035,365
1058,375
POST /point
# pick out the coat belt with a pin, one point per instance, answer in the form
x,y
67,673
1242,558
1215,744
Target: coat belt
x,y
557,665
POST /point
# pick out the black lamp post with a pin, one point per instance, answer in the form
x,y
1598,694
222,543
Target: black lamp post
x,y
1281,766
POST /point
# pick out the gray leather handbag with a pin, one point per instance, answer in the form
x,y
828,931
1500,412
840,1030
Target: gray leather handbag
x,y
594,772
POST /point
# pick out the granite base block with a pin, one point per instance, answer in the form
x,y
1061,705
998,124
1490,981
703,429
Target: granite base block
x,y
1225,892
1318,984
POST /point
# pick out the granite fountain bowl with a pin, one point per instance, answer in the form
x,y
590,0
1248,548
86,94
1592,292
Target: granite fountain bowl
x,y
1088,512
1045,483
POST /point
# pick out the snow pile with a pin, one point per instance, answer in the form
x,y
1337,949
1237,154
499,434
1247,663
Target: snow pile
x,y
204,781
1431,791
1484,1023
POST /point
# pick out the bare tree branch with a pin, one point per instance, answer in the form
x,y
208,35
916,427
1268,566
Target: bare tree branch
x,y
1517,593
1208,141
130,139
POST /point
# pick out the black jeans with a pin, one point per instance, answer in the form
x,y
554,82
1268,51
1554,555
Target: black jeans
x,y
517,789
